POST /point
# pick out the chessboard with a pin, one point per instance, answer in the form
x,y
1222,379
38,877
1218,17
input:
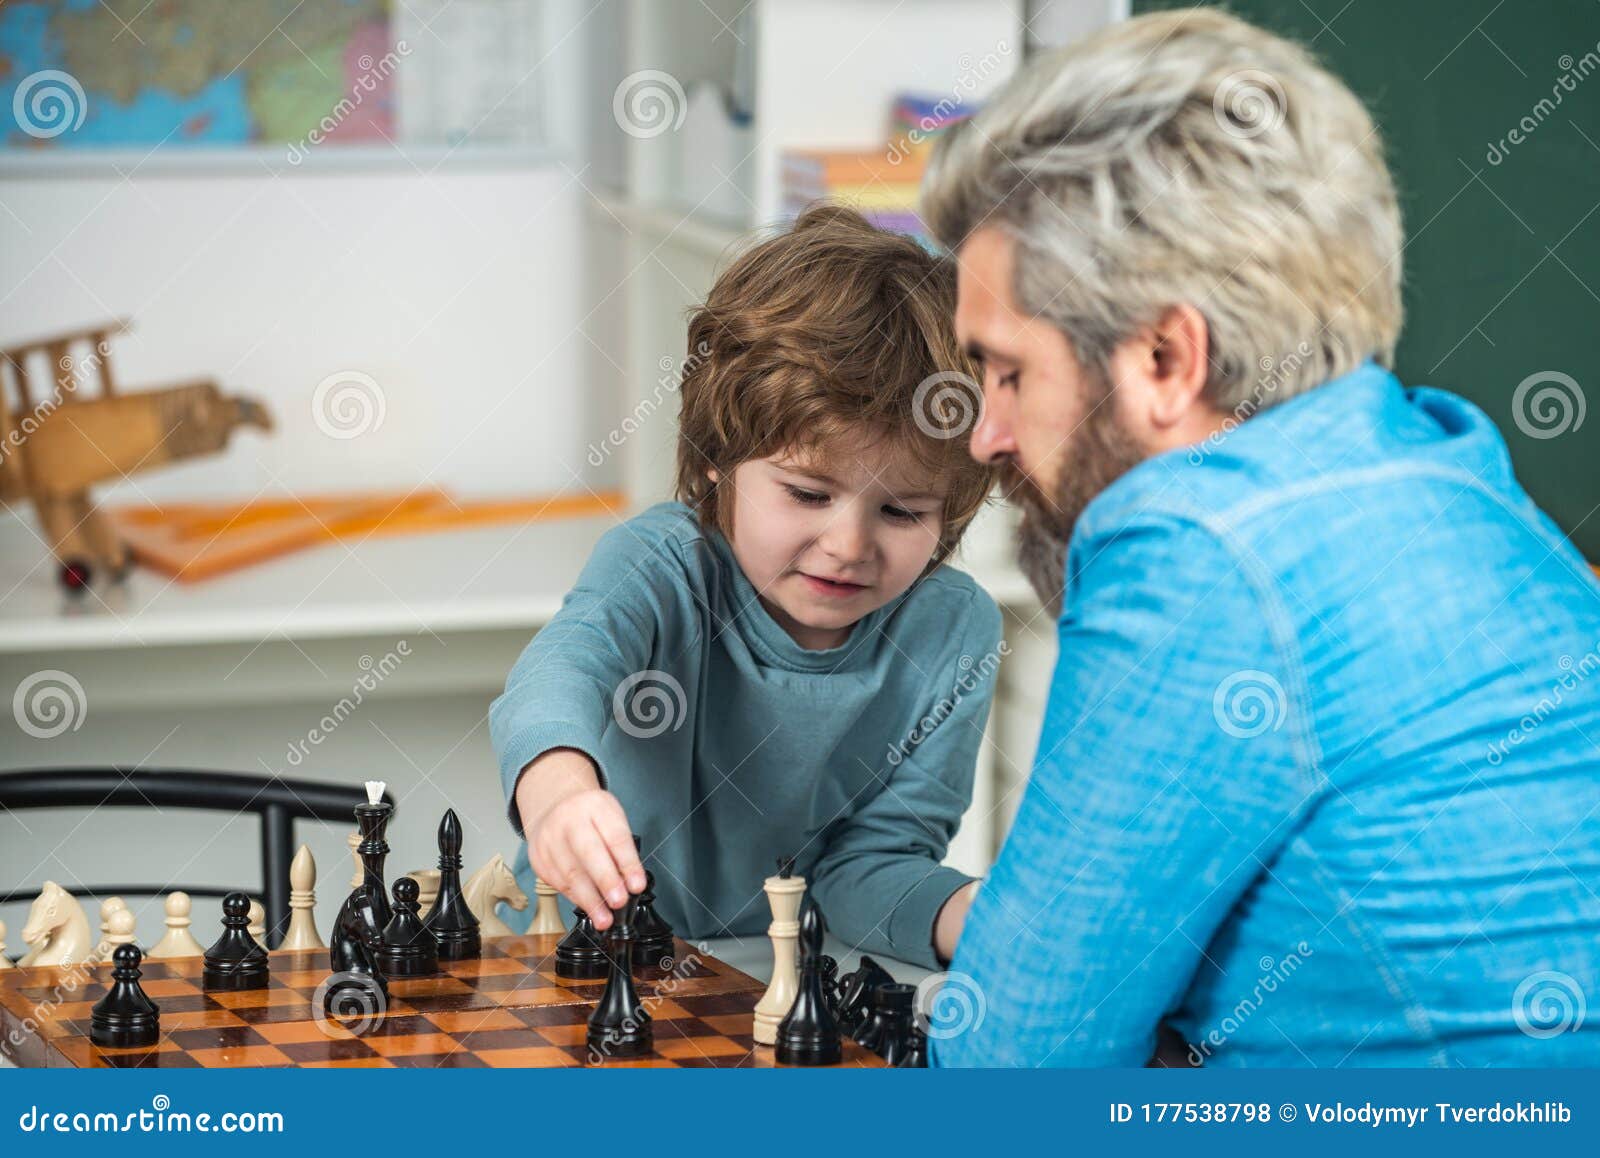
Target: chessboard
x,y
507,1008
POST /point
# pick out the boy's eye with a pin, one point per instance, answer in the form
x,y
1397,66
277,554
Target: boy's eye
x,y
901,515
801,495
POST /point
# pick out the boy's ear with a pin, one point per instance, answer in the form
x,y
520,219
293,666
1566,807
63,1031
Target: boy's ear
x,y
711,473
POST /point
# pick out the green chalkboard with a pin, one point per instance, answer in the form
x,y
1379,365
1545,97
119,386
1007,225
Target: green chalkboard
x,y
1491,117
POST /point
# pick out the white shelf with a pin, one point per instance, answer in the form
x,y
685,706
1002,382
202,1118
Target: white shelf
x,y
665,225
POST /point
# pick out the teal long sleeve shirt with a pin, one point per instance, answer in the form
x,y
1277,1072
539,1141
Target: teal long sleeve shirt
x,y
729,745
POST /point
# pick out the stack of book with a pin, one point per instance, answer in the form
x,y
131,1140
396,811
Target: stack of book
x,y
882,183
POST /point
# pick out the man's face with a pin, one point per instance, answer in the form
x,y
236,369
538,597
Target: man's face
x,y
827,539
1054,427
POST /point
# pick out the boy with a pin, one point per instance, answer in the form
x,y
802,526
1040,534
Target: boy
x,y
777,664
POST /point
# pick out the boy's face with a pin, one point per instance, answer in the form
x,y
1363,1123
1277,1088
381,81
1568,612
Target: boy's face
x,y
825,540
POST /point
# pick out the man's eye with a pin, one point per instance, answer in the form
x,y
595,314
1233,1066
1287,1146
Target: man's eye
x,y
1010,379
809,498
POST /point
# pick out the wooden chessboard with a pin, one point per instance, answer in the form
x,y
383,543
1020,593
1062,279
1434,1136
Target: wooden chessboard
x,y
507,1008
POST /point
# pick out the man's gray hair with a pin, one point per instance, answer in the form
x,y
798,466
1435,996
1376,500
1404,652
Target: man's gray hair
x,y
1187,157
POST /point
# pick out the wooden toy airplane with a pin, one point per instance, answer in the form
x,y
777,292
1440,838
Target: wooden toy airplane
x,y
53,450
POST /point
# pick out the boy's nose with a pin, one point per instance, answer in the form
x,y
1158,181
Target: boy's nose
x,y
845,538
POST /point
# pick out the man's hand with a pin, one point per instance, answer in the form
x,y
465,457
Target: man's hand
x,y
579,839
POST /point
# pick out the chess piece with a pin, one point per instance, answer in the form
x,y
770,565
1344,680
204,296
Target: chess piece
x,y
581,956
408,949
486,888
354,841
889,1025
125,1018
830,984
177,941
652,936
57,930
620,1024
372,818
102,951
258,923
427,887
451,924
784,893
302,932
546,912
854,1003
5,962
120,930
357,990
808,1034
236,960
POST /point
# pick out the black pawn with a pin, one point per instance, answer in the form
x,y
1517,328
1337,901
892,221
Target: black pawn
x,y
620,1024
580,956
452,924
652,936
125,1018
408,949
808,1035
236,961
888,1029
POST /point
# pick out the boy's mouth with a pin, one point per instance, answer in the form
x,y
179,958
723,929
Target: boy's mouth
x,y
833,588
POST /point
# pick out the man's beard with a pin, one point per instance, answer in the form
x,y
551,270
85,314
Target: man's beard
x,y
1097,453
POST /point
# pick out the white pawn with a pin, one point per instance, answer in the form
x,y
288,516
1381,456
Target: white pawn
x,y
427,888
302,932
258,923
5,962
120,930
546,913
177,941
360,873
108,906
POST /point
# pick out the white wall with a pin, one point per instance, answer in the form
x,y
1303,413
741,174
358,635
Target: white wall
x,y
456,291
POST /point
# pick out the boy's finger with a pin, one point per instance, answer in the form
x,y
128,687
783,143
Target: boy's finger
x,y
582,893
596,860
612,825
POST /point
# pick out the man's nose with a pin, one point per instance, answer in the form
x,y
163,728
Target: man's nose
x,y
992,437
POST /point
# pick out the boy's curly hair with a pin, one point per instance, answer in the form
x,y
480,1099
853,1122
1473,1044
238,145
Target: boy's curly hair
x,y
832,329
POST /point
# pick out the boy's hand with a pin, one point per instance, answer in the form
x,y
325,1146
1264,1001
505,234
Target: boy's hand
x,y
579,839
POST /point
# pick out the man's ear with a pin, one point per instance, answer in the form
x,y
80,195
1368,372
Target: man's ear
x,y
1164,368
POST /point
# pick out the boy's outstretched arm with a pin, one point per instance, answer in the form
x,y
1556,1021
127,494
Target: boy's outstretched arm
x,y
879,880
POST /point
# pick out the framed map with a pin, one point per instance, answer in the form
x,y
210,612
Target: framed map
x,y
279,80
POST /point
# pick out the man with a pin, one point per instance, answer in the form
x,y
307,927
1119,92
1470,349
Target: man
x,y
1318,780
